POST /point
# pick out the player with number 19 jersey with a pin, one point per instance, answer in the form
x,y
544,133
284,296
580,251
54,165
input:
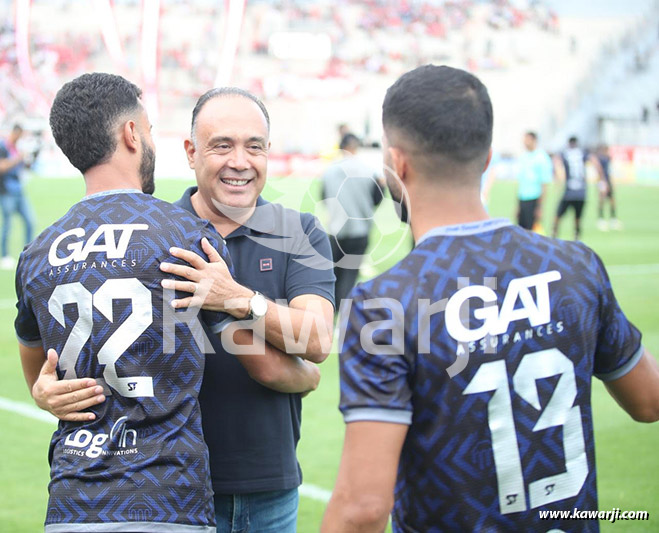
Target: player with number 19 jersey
x,y
484,340
90,287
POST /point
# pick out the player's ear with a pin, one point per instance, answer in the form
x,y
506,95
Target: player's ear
x,y
488,160
189,152
130,136
399,162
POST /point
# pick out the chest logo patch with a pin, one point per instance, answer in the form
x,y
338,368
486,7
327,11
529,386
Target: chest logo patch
x,y
265,264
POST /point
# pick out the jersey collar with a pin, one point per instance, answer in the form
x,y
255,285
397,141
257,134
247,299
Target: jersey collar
x,y
112,191
460,230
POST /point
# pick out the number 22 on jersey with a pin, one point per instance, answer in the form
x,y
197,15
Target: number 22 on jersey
x,y
126,334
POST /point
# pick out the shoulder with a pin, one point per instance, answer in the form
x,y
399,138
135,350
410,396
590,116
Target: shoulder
x,y
185,201
177,212
574,259
285,218
401,279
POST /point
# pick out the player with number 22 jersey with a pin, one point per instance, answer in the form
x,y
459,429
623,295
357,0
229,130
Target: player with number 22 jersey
x,y
90,287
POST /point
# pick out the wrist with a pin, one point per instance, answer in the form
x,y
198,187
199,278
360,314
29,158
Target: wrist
x,y
241,297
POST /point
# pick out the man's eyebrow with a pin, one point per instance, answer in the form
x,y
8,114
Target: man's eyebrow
x,y
226,138
219,138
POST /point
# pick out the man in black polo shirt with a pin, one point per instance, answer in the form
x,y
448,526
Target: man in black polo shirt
x,y
252,431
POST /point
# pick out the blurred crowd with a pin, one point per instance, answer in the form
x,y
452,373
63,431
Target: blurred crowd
x,y
372,37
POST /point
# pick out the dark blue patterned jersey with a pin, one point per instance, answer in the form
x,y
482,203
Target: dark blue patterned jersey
x,y
484,341
574,163
90,287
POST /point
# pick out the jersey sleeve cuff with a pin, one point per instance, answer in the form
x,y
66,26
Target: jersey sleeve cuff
x,y
624,369
377,414
30,344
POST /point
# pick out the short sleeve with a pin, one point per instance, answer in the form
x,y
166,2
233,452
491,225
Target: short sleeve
x,y
375,379
309,269
215,321
618,341
26,325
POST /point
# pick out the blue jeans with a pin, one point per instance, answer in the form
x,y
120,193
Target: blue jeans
x,y
257,512
14,201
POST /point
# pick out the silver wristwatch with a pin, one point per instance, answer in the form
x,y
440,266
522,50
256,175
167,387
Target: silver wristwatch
x,y
258,306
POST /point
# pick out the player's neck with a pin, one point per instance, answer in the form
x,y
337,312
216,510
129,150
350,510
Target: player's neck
x,y
444,209
103,178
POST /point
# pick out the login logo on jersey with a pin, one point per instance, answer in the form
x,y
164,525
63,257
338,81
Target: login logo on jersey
x,y
72,246
120,441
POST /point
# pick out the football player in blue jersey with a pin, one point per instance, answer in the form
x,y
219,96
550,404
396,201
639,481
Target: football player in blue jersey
x,y
466,368
90,288
571,163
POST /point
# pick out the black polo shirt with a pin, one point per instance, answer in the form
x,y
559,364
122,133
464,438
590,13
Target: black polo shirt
x,y
252,431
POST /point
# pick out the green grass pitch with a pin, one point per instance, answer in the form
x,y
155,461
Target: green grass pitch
x,y
627,458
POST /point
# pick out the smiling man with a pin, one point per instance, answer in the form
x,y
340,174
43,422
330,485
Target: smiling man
x,y
252,431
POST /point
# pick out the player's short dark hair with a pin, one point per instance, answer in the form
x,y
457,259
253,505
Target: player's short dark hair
x,y
532,134
573,140
17,128
442,111
86,112
219,92
349,139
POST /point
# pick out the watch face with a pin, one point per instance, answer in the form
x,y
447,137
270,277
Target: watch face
x,y
259,305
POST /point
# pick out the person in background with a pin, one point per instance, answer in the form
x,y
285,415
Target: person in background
x,y
572,165
12,196
606,192
534,172
351,188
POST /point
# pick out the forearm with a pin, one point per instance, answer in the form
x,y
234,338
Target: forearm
x,y
364,493
345,514
32,359
304,332
275,369
303,328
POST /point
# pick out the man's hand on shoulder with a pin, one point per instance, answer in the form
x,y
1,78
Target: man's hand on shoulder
x,y
210,283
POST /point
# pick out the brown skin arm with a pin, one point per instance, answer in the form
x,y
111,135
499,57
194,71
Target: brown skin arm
x,y
275,369
364,493
637,392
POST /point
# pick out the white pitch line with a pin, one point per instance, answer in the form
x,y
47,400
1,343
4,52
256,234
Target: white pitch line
x,y
315,493
308,491
27,410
